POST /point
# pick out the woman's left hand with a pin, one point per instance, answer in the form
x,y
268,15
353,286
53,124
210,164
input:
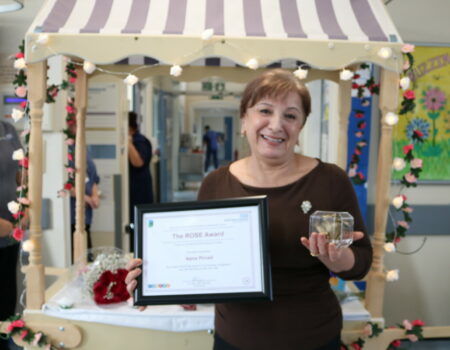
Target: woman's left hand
x,y
336,259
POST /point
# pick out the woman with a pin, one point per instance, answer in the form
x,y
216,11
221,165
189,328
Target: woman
x,y
305,313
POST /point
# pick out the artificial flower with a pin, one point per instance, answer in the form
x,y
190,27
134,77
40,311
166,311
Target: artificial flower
x,y
24,162
412,337
20,63
404,83
406,65
36,339
15,324
18,234
252,63
18,154
408,48
21,91
68,186
352,172
23,104
418,124
346,74
70,142
396,343
416,163
207,34
398,164
392,275
367,330
410,178
408,148
19,55
409,94
397,201
17,114
24,201
23,334
13,207
72,80
418,323
176,70
389,247
403,224
407,325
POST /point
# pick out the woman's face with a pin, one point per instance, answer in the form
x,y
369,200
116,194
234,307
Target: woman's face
x,y
272,126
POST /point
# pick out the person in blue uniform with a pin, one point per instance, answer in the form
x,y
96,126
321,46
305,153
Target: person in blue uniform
x,y
140,178
210,140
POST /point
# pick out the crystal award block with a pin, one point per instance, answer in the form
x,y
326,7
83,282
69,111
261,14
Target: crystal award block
x,y
337,225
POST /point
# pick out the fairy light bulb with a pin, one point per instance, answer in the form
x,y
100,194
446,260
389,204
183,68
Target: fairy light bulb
x,y
398,164
89,67
301,73
385,52
131,79
346,74
27,246
252,63
176,70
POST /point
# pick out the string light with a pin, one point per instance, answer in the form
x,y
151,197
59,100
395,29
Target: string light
x,y
176,70
392,275
207,34
89,67
389,247
131,79
252,63
301,73
18,154
391,118
346,74
28,246
20,63
385,52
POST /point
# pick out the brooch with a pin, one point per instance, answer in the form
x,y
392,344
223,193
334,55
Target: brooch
x,y
306,206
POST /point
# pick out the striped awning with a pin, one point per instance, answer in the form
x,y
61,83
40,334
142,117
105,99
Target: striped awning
x,y
169,31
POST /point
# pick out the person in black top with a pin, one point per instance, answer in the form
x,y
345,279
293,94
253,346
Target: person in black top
x,y
140,179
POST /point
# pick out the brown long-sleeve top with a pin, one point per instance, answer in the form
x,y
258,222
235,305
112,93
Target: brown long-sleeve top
x,y
305,312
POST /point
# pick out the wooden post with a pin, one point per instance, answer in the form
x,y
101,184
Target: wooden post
x,y
37,73
345,104
80,239
376,277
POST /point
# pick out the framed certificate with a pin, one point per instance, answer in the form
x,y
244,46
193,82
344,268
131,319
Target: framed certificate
x,y
203,251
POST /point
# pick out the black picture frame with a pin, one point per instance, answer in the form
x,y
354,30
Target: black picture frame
x,y
256,205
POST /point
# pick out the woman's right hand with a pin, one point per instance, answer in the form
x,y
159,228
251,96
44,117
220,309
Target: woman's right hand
x,y
133,272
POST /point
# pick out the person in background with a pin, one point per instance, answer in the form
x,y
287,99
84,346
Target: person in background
x,y
210,141
139,176
305,313
91,198
9,248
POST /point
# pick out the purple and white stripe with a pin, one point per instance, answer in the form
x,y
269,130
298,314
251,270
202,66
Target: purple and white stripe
x,y
355,20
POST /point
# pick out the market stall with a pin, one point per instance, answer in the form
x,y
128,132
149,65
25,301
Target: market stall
x,y
191,40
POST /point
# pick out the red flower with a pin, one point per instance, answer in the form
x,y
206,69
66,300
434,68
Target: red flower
x,y
356,76
15,324
18,234
68,186
24,162
359,115
23,104
69,157
23,334
355,86
360,175
409,95
396,343
361,125
72,80
111,288
18,215
70,109
418,323
20,55
397,240
357,151
356,346
408,148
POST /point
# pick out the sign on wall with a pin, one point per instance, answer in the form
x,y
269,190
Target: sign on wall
x,y
431,85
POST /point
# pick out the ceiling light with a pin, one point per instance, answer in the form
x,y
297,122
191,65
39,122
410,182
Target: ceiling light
x,y
10,5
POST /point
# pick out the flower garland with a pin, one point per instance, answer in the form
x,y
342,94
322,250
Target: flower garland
x,y
413,332
416,135
17,326
361,90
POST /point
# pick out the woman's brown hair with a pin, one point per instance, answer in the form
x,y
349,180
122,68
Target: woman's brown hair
x,y
276,83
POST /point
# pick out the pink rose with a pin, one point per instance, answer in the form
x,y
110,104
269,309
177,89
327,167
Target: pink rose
x,y
36,339
408,48
70,142
412,337
70,109
367,330
408,148
410,178
352,172
69,157
24,200
403,224
407,325
70,170
416,163
72,80
409,95
21,91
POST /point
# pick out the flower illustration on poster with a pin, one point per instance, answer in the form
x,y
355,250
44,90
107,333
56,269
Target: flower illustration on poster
x,y
426,124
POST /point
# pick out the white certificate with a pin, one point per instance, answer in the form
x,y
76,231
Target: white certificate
x,y
203,251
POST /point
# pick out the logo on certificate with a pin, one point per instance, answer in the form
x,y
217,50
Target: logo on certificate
x,y
159,285
150,223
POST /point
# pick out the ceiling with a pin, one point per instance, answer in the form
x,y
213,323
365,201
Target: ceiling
x,y
418,21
